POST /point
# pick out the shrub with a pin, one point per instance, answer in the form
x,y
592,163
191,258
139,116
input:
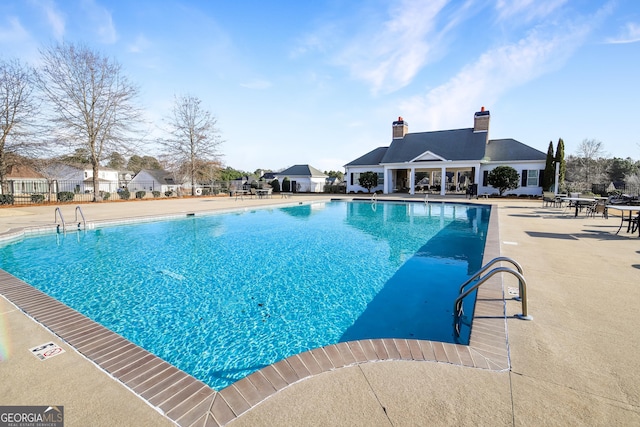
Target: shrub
x,y
140,194
37,198
168,193
65,196
368,180
335,189
286,184
106,195
124,194
275,184
155,193
6,199
504,178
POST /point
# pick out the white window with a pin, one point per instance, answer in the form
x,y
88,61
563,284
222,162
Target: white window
x,y
532,178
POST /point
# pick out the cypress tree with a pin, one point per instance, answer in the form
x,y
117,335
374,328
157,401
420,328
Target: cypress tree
x,y
560,159
549,169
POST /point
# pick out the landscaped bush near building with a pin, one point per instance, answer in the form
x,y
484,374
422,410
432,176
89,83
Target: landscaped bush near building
x,y
155,193
106,195
140,194
168,193
124,194
275,184
65,196
6,199
335,189
37,198
286,184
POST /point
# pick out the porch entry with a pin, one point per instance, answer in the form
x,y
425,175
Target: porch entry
x,y
432,180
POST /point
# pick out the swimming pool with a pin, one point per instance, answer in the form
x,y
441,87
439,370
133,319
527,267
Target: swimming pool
x,y
221,296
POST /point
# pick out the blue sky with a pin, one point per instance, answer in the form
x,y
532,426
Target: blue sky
x,y
321,82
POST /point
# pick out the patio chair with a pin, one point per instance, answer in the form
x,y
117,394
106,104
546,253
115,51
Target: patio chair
x,y
548,198
598,208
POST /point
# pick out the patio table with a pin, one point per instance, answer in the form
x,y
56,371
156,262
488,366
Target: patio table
x,y
262,193
629,219
579,202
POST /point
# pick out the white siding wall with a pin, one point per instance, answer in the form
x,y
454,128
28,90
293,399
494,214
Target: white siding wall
x,y
529,189
355,187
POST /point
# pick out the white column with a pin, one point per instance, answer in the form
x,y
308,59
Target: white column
x,y
387,181
412,181
443,181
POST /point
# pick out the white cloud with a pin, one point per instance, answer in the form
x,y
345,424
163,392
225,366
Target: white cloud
x,y
55,18
257,84
390,55
494,73
101,20
312,42
13,32
140,44
527,9
630,34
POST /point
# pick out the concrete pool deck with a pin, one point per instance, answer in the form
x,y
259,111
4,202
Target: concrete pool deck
x,y
574,364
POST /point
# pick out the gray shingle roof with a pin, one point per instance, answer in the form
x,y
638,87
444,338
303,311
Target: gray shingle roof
x,y
457,144
161,176
302,170
509,149
373,157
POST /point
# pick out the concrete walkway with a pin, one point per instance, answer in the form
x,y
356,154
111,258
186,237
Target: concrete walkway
x,y
574,364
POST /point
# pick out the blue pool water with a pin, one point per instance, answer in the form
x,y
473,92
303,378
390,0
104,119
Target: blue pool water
x,y
220,296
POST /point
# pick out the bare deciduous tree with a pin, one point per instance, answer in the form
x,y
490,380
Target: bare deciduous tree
x,y
589,151
92,102
194,137
18,113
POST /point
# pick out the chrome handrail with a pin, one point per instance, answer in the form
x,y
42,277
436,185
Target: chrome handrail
x,y
84,222
457,305
486,267
57,213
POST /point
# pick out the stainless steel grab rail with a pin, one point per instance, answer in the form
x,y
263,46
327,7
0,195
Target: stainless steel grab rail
x,y
457,305
523,289
57,213
486,267
84,222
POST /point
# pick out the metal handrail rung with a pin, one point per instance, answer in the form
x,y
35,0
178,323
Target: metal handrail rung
x,y
486,267
523,291
84,222
57,213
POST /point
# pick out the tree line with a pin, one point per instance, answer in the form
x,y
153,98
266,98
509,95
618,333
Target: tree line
x,y
589,166
80,103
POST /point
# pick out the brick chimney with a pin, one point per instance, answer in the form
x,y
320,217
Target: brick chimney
x,y
481,121
400,128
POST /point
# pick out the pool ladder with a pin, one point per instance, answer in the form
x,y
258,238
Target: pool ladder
x,y
522,295
58,214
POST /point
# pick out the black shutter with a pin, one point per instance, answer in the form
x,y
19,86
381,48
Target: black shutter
x,y
351,174
485,175
541,179
524,178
